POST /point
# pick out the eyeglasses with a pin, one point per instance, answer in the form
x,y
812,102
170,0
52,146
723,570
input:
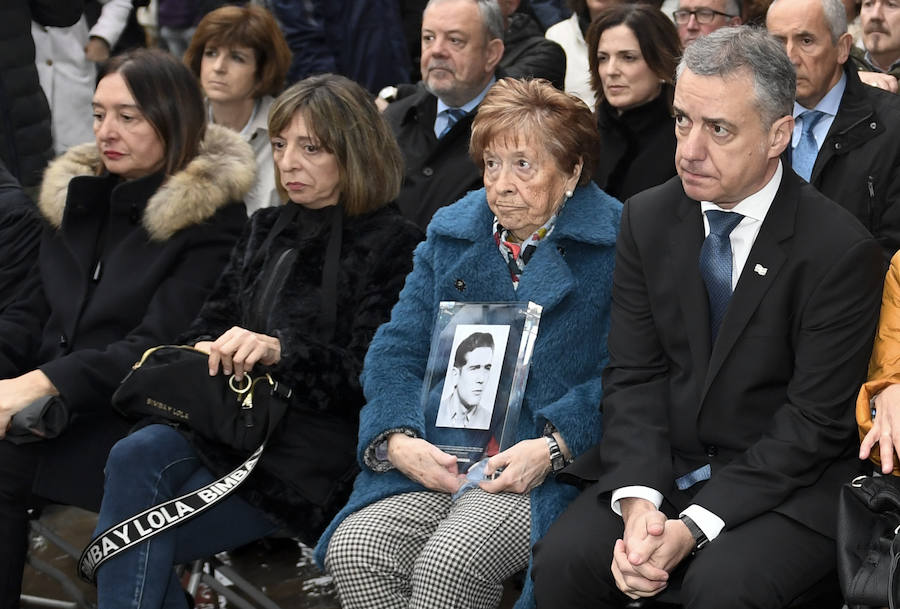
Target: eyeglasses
x,y
703,15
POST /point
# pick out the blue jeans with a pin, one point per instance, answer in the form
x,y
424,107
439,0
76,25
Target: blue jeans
x,y
152,465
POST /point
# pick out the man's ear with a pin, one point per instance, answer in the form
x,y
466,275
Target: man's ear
x,y
780,135
843,47
493,55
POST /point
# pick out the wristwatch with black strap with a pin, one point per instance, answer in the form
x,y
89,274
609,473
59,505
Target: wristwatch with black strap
x,y
697,533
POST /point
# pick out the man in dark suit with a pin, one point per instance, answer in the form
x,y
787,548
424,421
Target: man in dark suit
x,y
846,139
728,417
462,43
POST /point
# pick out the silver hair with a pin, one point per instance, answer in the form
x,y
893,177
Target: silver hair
x,y
491,17
835,17
731,50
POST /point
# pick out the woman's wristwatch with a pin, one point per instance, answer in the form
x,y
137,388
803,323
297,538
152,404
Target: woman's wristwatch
x,y
557,459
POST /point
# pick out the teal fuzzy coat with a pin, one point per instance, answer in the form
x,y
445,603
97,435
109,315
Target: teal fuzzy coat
x,y
569,275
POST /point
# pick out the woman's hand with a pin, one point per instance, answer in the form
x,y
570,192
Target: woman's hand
x,y
19,392
238,350
885,428
424,462
525,465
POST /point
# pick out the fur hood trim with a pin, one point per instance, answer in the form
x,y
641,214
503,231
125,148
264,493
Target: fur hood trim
x,y
222,172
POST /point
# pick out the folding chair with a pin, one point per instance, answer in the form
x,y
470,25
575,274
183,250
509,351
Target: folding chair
x,y
241,593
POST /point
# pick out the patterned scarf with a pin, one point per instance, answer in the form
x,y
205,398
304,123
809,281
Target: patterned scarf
x,y
517,255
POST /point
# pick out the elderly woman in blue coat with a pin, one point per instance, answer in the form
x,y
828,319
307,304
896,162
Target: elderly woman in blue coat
x,y
539,231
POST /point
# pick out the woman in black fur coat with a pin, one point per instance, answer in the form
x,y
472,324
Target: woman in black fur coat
x,y
305,289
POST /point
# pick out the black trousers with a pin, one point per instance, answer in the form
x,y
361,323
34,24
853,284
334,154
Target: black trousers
x,y
764,563
18,465
66,470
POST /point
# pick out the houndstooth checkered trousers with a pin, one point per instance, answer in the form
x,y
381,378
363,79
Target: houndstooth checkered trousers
x,y
420,551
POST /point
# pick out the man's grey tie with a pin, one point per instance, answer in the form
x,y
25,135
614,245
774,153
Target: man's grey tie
x,y
715,265
453,115
807,150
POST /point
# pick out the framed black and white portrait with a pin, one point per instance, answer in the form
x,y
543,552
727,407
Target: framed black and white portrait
x,y
477,369
473,372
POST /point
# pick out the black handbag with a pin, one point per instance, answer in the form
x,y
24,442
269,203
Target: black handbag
x,y
868,546
172,383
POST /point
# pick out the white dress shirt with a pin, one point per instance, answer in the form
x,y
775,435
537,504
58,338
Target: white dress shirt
x,y
754,209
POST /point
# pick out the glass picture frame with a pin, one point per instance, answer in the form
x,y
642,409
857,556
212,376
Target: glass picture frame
x,y
475,378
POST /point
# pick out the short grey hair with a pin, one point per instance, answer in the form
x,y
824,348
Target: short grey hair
x,y
730,50
835,17
491,17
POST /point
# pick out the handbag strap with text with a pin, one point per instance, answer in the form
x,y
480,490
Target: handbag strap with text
x,y
162,516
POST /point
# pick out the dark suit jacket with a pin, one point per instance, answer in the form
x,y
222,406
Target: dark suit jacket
x,y
858,165
437,171
770,407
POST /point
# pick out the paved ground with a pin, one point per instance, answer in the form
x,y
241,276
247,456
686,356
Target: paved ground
x,y
282,568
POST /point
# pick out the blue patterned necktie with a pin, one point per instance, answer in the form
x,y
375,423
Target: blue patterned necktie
x,y
453,115
715,265
807,150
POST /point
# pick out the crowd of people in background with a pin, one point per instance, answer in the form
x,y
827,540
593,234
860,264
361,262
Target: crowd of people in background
x,y
703,196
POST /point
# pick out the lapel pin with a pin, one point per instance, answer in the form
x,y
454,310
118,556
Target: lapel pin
x,y
460,285
760,270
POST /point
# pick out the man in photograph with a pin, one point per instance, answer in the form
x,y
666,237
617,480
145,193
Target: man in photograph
x,y
471,371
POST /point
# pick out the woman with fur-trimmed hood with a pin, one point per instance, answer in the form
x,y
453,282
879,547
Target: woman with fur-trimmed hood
x,y
306,287
138,228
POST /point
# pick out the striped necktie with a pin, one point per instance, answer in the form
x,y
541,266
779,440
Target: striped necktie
x,y
453,115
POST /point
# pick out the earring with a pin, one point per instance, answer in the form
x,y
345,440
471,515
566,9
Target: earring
x,y
569,194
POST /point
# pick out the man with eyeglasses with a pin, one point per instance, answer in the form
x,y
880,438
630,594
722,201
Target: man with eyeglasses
x,y
696,18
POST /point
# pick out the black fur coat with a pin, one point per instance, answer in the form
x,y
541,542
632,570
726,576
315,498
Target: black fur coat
x,y
308,467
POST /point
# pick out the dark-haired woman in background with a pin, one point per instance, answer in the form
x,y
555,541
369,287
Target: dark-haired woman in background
x,y
340,168
139,225
633,50
241,58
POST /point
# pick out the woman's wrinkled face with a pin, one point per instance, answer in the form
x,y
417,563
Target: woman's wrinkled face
x,y
308,172
129,145
524,184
